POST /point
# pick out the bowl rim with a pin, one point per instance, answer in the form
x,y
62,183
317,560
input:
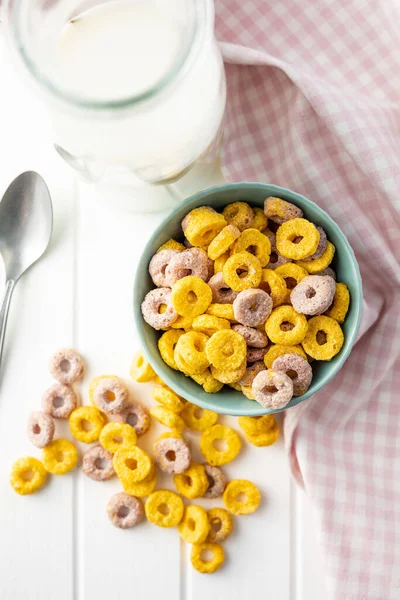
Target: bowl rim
x,y
271,189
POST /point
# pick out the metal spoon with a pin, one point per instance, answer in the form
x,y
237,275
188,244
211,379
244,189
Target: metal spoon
x,y
26,223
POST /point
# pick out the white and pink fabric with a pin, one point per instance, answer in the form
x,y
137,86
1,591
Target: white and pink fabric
x,y
314,105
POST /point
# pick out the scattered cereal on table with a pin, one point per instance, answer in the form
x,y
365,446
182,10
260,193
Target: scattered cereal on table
x,y
241,497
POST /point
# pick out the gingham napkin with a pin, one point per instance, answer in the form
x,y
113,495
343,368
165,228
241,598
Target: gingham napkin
x,y
314,105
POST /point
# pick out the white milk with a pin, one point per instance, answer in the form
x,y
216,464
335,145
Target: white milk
x,y
116,51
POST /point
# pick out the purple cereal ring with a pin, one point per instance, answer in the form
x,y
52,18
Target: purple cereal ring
x,y
327,271
272,389
125,511
271,236
136,415
97,464
255,354
253,337
66,366
151,306
40,428
158,265
321,246
110,395
276,259
59,401
252,307
189,262
221,292
172,455
297,368
313,295
251,372
216,482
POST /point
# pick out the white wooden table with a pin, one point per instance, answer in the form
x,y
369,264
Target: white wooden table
x,y
58,544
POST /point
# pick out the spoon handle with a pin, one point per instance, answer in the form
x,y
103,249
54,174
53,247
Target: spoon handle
x,y
5,305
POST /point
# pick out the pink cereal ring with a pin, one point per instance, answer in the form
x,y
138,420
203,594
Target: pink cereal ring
x,y
221,292
158,265
313,295
110,395
253,337
136,415
297,368
59,401
255,354
252,307
272,389
251,372
189,262
40,428
216,482
125,511
98,464
66,366
172,455
151,306
323,240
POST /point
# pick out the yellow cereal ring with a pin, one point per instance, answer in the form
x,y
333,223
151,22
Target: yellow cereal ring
x,y
116,435
207,565
278,326
319,264
250,268
198,418
324,338
191,296
194,526
241,497
182,323
279,210
202,225
247,391
141,488
220,261
223,311
158,380
229,375
255,242
223,241
183,367
60,457
292,275
86,423
235,386
290,232
166,347
212,385
27,476
240,214
200,377
95,382
226,349
132,464
193,482
260,221
210,324
221,524
340,305
191,346
141,370
164,508
171,245
274,284
257,425
279,350
216,457
264,439
168,418
168,398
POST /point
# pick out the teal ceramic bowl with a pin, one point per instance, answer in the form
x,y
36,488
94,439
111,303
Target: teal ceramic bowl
x,y
229,401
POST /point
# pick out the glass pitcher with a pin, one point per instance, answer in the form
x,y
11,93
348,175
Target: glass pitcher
x,y
135,90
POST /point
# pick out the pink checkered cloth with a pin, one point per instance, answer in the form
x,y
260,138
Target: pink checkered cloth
x,y
314,105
